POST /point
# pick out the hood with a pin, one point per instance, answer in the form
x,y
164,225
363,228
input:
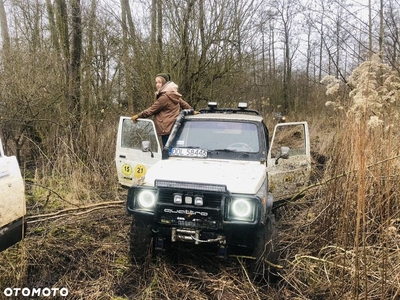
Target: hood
x,y
244,177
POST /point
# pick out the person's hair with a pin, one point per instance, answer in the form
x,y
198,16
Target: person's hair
x,y
163,81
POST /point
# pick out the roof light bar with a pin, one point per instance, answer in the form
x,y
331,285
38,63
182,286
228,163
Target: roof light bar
x,y
191,186
212,105
242,105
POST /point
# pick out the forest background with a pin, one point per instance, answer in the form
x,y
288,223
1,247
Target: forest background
x,y
69,69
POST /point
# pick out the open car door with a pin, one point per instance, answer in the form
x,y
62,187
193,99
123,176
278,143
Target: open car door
x,y
289,160
12,201
137,149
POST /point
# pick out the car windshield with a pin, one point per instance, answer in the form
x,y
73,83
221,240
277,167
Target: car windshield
x,y
218,136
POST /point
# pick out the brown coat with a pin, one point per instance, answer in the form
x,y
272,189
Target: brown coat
x,y
166,108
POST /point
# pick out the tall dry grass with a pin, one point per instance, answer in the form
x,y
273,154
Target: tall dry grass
x,y
64,176
349,245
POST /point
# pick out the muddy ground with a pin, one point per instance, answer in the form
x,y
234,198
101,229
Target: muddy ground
x,y
87,252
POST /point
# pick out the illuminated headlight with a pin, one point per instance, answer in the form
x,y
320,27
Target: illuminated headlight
x,y
198,200
241,209
178,198
146,199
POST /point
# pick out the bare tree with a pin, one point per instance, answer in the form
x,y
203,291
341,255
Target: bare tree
x,y
87,69
75,63
392,35
4,27
127,38
52,23
159,53
286,11
63,33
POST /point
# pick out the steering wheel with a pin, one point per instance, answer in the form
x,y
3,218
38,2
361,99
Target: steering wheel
x,y
240,146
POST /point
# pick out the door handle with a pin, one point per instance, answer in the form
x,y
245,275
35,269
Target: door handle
x,y
4,174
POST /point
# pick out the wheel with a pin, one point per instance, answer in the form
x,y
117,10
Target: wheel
x,y
141,240
266,256
240,146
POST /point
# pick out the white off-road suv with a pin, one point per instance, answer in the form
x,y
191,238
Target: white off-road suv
x,y
214,183
12,201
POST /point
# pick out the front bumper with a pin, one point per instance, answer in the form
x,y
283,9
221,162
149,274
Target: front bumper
x,y
212,222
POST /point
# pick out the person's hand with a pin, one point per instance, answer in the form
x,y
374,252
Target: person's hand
x,y
196,112
134,118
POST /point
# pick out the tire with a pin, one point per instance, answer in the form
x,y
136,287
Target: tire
x,y
266,256
141,240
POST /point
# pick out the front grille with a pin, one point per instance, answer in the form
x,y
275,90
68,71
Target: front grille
x,y
207,216
188,218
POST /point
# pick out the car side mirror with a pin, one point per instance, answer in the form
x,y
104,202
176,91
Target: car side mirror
x,y
284,153
146,147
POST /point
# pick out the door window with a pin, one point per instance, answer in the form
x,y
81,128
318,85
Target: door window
x,y
133,134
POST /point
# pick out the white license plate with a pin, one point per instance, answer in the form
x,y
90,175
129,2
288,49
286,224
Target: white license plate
x,y
188,152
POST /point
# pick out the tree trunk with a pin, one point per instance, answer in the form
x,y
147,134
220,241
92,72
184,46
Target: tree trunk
x,y
53,28
5,36
185,47
87,97
381,29
153,29
159,35
370,28
75,78
63,32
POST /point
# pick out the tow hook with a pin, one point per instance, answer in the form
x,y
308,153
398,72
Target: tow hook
x,y
187,235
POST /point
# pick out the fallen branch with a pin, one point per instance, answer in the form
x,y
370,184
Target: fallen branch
x,y
70,211
248,278
253,258
302,192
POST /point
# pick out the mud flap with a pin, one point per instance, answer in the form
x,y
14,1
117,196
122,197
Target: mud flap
x,y
12,233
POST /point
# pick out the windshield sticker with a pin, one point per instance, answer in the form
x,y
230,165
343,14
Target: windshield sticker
x,y
126,169
140,170
188,152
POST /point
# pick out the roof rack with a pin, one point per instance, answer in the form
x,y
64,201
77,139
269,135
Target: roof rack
x,y
241,109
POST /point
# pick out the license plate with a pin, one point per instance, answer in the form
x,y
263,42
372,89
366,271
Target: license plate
x,y
188,152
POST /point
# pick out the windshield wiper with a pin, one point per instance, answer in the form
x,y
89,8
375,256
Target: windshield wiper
x,y
224,150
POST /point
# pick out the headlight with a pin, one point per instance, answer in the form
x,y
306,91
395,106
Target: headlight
x,y
146,199
242,209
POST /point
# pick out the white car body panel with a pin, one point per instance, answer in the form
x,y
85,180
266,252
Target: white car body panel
x,y
285,179
245,177
12,204
130,160
291,175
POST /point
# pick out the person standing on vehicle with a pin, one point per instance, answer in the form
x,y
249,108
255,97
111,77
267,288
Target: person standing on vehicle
x,y
166,108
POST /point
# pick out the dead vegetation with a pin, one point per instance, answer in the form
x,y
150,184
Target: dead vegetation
x,y
89,255
341,241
